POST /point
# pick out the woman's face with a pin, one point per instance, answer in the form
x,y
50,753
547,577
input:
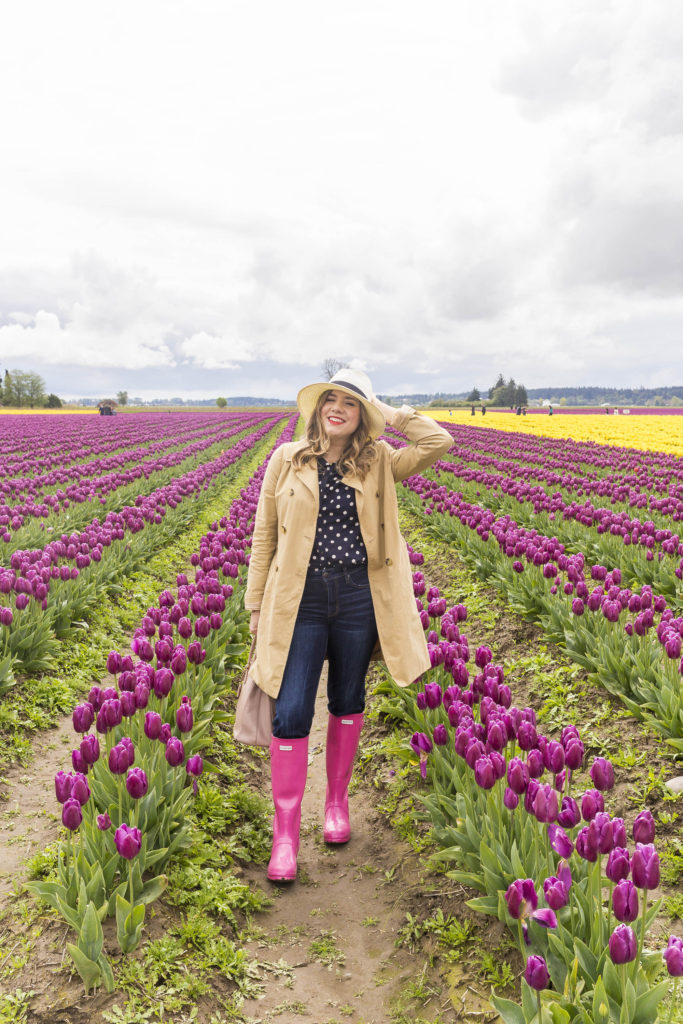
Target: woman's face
x,y
340,415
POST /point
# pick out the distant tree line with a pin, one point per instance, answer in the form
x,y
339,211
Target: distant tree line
x,y
21,389
664,396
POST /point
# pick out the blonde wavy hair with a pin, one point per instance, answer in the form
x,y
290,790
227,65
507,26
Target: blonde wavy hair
x,y
359,454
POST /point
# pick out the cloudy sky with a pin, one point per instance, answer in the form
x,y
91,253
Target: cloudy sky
x,y
202,198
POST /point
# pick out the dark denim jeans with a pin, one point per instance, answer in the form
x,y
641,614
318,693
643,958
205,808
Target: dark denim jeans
x,y
335,616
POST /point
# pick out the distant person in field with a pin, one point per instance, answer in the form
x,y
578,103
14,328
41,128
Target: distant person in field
x,y
329,577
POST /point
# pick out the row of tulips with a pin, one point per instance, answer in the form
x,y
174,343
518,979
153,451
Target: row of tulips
x,y
42,494
135,768
630,640
638,479
504,807
43,592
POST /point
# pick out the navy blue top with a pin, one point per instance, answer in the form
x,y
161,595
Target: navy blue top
x,y
338,541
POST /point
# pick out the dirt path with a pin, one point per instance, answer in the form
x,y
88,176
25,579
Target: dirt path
x,y
336,927
29,818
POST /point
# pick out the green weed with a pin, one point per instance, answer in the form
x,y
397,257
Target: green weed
x,y
325,950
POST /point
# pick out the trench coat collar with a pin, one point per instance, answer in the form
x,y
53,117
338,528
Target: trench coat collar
x,y
308,474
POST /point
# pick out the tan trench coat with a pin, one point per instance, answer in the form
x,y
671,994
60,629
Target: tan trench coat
x,y
284,533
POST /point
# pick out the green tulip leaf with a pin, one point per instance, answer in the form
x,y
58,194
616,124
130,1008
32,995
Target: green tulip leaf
x,y
645,1011
511,1013
89,971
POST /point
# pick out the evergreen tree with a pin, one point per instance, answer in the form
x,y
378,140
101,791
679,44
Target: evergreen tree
x,y
500,383
474,396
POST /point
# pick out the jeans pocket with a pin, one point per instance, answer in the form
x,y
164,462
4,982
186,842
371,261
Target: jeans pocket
x,y
357,579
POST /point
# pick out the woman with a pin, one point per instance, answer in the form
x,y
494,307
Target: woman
x,y
329,576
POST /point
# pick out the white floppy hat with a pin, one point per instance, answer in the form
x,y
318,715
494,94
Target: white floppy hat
x,y
355,383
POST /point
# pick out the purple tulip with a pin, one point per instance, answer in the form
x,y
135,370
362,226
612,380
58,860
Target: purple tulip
x,y
527,737
152,725
625,901
440,735
673,956
520,895
178,661
184,717
483,773
602,774
420,743
165,733
80,790
78,762
72,815
517,775
83,717
644,827
128,704
103,822
421,701
433,695
604,830
128,841
618,864
510,799
553,757
574,753
591,803
555,892
645,866
560,841
175,752
114,663
63,786
569,815
545,804
196,653
534,763
141,694
163,682
118,760
536,972
195,765
136,783
587,844
623,947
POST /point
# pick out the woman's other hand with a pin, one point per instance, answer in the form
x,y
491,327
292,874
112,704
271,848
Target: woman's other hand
x,y
253,622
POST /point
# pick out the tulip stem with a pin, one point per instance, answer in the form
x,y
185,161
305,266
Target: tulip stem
x,y
130,881
641,935
522,943
538,998
673,1000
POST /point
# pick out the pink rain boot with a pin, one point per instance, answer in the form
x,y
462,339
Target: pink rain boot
x,y
288,767
342,742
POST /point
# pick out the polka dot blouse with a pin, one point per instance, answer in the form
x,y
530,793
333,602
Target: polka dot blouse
x,y
338,541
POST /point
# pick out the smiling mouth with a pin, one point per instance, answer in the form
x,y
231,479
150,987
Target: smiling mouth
x,y
334,419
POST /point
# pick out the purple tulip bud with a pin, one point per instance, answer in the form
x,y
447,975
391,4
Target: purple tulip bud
x,y
80,790
517,775
175,752
569,815
184,718
114,663
83,717
482,657
618,864
644,827
555,892
604,831
534,763
128,841
118,760
136,783
178,662
128,705
553,757
63,786
574,753
623,947
196,653
510,799
195,765
536,972
587,844
433,695
591,803
527,737
141,695
645,866
72,815
483,773
163,682
440,735
165,733
421,701
103,822
545,804
152,725
602,774
619,830
673,956
78,762
625,901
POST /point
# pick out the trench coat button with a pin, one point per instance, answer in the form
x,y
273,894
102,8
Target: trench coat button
x,y
284,529
382,525
377,494
387,561
291,490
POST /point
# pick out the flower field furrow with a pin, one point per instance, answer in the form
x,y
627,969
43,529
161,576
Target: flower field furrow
x,y
45,591
137,764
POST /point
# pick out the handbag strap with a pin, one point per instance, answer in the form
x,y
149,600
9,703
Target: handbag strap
x,y
252,652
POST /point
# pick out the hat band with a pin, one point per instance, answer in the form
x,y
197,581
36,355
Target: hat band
x,y
351,387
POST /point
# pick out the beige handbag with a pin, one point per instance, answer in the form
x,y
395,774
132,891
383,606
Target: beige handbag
x,y
254,711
